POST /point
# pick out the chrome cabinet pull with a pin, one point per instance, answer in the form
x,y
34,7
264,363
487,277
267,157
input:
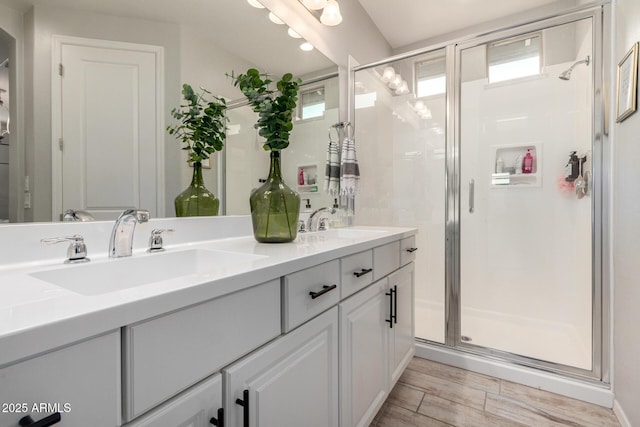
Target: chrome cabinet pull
x,y
471,196
325,289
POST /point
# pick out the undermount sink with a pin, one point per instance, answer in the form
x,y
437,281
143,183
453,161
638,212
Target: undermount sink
x,y
118,274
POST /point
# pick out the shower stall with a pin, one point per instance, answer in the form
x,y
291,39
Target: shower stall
x,y
475,144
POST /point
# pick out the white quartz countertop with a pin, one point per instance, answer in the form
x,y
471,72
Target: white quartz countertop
x,y
37,315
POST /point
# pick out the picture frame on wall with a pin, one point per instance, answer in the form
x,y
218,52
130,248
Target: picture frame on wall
x,y
627,90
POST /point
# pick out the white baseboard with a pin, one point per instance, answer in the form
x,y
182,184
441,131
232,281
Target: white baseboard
x,y
622,417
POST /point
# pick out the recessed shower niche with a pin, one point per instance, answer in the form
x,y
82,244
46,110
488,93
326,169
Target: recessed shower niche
x,y
508,165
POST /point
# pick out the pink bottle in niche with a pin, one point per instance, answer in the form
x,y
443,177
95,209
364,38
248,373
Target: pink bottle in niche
x,y
300,176
527,162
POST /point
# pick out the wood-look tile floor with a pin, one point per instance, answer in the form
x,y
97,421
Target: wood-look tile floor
x,y
431,394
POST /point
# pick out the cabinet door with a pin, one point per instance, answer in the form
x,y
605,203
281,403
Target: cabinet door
x,y
81,382
193,408
291,382
364,343
402,336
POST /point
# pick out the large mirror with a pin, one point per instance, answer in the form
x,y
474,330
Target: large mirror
x,y
194,41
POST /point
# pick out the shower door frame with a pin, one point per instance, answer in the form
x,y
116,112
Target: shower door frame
x,y
599,203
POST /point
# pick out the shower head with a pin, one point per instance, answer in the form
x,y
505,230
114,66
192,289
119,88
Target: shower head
x,y
566,75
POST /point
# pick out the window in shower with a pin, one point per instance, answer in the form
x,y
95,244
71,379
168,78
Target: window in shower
x,y
430,77
514,58
312,103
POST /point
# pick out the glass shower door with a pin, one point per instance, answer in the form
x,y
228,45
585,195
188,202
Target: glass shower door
x,y
525,220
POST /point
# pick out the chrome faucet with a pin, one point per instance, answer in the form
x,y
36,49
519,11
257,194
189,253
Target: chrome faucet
x,y
315,213
121,240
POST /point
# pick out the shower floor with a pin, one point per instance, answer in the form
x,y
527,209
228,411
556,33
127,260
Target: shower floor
x,y
549,341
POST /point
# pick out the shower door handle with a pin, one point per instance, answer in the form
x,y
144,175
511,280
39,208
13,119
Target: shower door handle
x,y
471,196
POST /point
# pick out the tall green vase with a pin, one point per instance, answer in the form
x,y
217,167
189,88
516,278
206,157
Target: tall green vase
x,y
274,208
196,200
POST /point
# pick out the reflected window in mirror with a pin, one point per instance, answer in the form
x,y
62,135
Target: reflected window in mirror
x,y
430,77
514,58
312,103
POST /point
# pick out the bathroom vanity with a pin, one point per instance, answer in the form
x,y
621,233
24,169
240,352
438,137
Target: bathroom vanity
x,y
216,330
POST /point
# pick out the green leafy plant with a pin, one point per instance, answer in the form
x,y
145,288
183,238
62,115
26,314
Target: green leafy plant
x,y
275,110
203,123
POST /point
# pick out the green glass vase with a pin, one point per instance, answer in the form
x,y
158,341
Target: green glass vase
x,y
196,200
274,208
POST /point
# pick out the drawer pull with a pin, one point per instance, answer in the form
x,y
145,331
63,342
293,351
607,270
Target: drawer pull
x,y
325,289
362,272
218,421
48,421
411,250
244,402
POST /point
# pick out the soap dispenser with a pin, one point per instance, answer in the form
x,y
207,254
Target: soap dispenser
x,y
304,216
573,167
527,162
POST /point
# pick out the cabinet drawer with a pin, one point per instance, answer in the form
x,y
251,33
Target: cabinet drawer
x,y
299,304
165,355
386,258
81,382
356,272
408,250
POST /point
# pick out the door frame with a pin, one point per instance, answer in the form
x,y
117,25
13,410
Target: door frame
x,y
58,42
600,203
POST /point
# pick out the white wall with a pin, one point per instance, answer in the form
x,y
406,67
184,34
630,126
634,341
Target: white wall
x,y
626,232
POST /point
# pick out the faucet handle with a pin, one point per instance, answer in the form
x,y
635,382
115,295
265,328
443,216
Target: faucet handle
x,y
77,251
155,241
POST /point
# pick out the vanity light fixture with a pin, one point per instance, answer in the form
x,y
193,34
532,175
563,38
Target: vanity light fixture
x,y
256,4
273,18
394,81
293,34
306,46
330,14
314,4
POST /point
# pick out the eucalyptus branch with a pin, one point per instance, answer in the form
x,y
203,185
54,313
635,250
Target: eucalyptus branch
x,y
203,123
275,110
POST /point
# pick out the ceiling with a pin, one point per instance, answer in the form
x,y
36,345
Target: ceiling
x,y
403,22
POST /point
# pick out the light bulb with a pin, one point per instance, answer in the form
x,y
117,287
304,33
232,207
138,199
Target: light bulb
x,y
331,14
256,4
402,88
388,74
419,106
396,81
314,4
273,18
306,46
293,34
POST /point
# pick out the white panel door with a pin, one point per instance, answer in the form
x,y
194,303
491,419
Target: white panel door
x,y
364,349
196,407
402,338
111,130
291,382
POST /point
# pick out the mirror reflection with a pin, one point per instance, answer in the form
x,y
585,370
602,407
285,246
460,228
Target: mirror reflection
x,y
90,86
